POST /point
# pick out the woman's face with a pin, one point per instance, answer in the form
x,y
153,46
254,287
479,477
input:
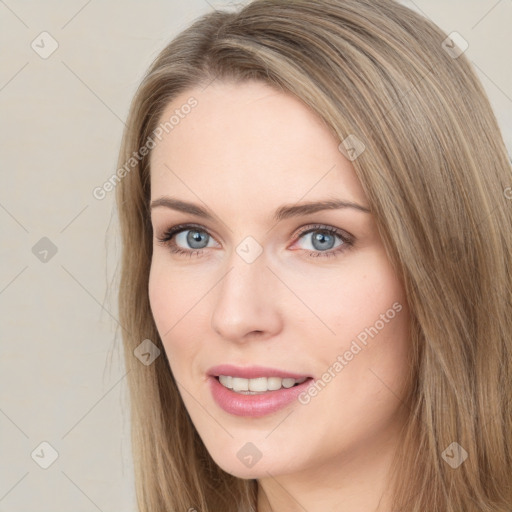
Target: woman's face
x,y
267,289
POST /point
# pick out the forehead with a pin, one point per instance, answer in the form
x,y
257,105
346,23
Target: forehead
x,y
248,143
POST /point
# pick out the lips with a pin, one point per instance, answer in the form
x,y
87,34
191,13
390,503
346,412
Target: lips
x,y
252,372
240,402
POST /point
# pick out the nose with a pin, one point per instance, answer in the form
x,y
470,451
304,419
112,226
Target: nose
x,y
246,303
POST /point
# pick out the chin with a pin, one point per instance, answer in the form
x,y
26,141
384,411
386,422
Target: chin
x,y
241,465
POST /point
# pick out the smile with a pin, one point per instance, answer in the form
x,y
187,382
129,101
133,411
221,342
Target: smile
x,y
258,385
255,391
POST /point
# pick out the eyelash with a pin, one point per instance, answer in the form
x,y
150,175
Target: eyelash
x,y
167,239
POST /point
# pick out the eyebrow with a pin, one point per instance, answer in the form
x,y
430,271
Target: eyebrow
x,y
283,212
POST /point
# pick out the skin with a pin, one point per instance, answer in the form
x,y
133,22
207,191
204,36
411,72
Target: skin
x,y
242,152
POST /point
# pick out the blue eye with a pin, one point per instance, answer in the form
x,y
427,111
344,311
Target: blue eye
x,y
186,235
190,240
323,241
194,238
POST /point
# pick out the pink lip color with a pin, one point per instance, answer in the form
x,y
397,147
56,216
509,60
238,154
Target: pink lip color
x,y
251,372
253,406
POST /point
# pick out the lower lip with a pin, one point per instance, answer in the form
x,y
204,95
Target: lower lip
x,y
254,406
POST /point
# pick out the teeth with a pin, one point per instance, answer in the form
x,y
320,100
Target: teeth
x,y
226,381
240,384
257,385
274,383
288,383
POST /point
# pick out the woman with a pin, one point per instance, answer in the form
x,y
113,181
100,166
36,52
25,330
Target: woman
x,y
317,252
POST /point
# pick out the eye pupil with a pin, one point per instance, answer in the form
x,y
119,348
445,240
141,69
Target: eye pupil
x,y
325,241
196,237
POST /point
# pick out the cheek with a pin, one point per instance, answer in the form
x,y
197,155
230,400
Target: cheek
x,y
364,341
363,369
375,348
351,297
173,298
162,301
375,317
174,291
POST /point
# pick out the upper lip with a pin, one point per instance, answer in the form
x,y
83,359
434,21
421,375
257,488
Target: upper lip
x,y
252,372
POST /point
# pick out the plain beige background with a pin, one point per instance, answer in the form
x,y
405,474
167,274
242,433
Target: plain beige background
x,y
62,378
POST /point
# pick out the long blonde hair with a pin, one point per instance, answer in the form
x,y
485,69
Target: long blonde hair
x,y
437,177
